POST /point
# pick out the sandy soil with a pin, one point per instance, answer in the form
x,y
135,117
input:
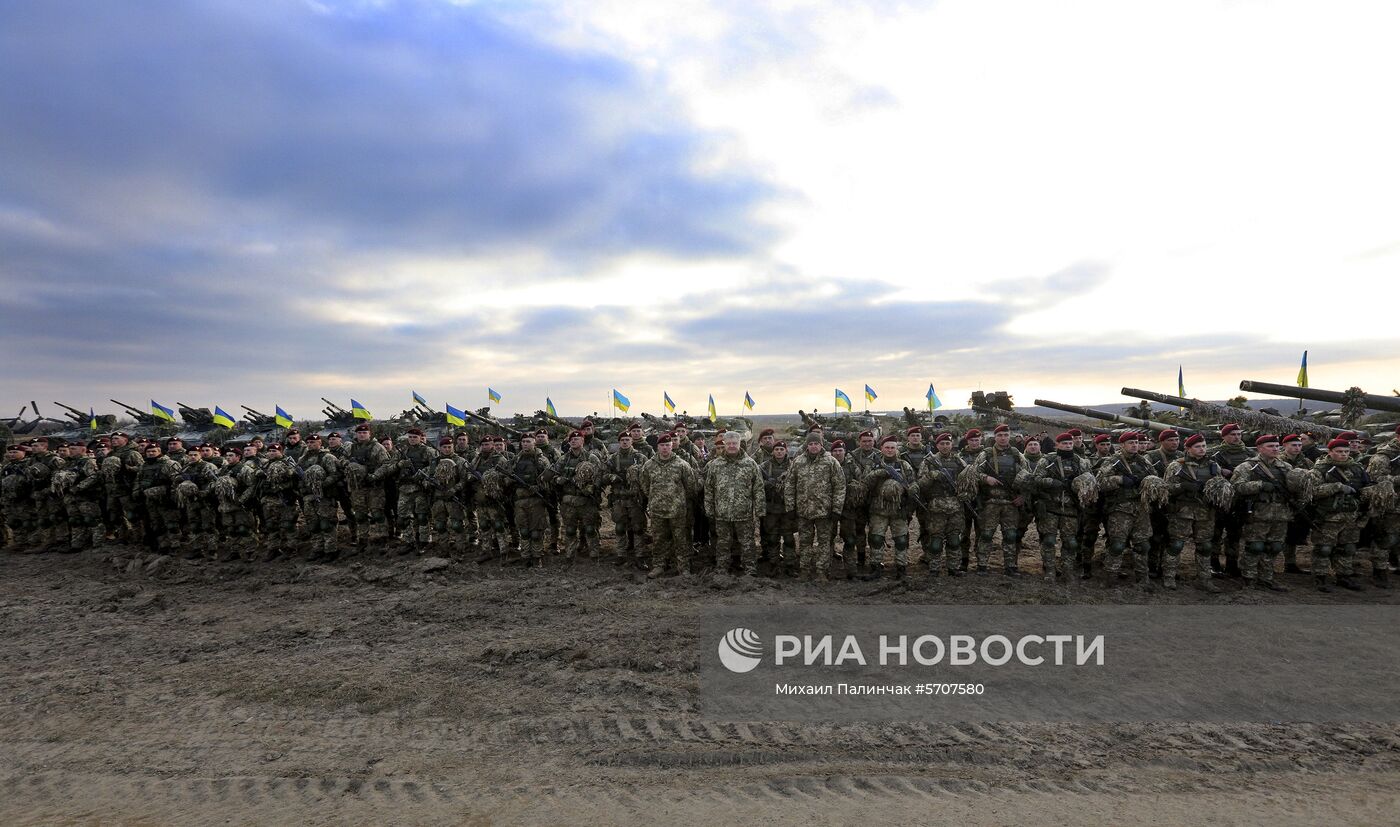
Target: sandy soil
x,y
145,691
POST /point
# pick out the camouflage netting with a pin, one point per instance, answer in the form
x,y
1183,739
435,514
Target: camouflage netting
x,y
1086,485
1219,493
1380,497
586,475
1253,420
493,485
967,484
1025,480
61,482
1353,406
1300,485
314,479
186,493
226,491
1154,491
444,474
891,494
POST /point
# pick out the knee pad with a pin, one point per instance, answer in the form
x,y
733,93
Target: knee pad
x,y
935,545
1010,536
926,542
376,516
1117,547
439,526
590,530
1141,548
1205,549
901,543
1071,543
1274,547
1175,547
877,541
537,535
1049,540
1256,547
1322,551
955,542
457,526
1350,548
986,536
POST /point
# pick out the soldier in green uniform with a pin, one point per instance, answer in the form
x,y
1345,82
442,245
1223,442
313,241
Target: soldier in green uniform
x,y
82,498
1094,516
412,462
340,491
233,490
997,469
278,484
1189,517
366,468
1337,484
488,498
449,474
779,525
735,501
526,472
890,504
119,469
154,489
629,514
321,473
1126,524
1059,508
1301,523
943,528
1383,466
578,477
1230,453
815,490
194,495
1262,484
1166,452
970,452
48,506
667,483
15,500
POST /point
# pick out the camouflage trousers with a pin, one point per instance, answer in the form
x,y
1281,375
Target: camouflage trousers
x,y
495,530
22,522
321,515
122,517
1004,515
48,510
532,523
202,520
449,526
1387,530
777,532
85,528
814,543
1128,527
852,530
579,520
896,528
731,537
415,512
670,537
1189,522
629,523
1337,529
279,525
163,518
941,535
1056,527
238,529
367,500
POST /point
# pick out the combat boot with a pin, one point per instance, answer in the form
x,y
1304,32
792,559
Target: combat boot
x,y
1272,586
656,571
899,572
819,577
1320,581
1207,585
1381,576
1345,581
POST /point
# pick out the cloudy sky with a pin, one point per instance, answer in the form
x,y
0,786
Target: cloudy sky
x,y
232,202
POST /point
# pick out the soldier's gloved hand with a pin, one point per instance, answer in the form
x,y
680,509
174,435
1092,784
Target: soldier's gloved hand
x,y
1052,484
1347,490
1129,482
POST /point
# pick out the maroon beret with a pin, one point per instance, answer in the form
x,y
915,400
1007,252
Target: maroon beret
x,y
445,439
864,434
890,438
1291,438
578,434
363,427
1338,443
1163,436
1128,436
836,443
1065,437
914,430
664,439
765,432
1264,439
1003,428
1075,432
1193,439
943,437
1228,428
587,423
972,433
1101,438
1347,435
415,431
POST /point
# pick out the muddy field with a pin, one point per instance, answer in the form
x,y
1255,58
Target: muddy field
x,y
372,691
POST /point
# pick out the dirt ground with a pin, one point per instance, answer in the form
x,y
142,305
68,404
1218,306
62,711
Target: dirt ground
x,y
143,690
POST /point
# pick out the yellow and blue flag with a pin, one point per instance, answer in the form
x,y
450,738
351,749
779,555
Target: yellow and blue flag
x,y
621,402
933,401
418,399
748,400
456,417
359,411
1180,382
159,411
549,407
493,396
1303,372
92,418
842,400
283,419
667,403
222,418
713,413
870,394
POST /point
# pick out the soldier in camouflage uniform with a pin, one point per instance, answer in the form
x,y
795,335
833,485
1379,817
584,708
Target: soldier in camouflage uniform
x,y
488,498
1189,516
629,514
667,482
855,522
1126,523
1262,485
526,472
815,490
81,490
1030,505
735,501
578,476
339,491
1166,452
914,452
154,489
293,447
1229,453
1338,481
367,466
941,535
411,463
888,498
970,452
1059,508
48,506
449,474
321,474
778,528
997,469
233,489
1383,466
639,442
15,499
1301,523
194,496
119,469
762,451
278,484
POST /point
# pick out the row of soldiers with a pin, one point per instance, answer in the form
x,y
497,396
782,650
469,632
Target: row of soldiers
x,y
681,495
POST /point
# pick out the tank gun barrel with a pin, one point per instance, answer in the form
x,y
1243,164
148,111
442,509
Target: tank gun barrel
x,y
490,420
1041,420
336,412
1244,416
1371,400
141,417
1093,413
74,414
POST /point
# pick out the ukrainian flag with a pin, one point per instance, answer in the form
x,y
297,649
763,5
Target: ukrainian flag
x,y
932,397
1302,372
359,411
870,394
92,419
420,400
493,396
456,417
713,414
748,401
667,403
1180,385
842,400
222,418
549,407
621,402
159,411
283,419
